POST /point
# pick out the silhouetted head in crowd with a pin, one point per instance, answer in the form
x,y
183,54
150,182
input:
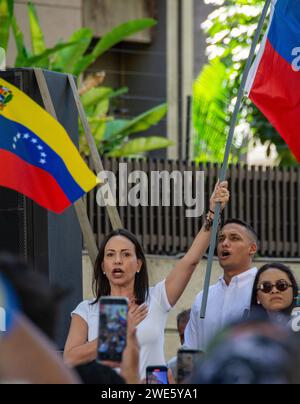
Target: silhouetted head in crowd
x,y
254,352
237,246
38,300
95,373
182,320
121,263
275,289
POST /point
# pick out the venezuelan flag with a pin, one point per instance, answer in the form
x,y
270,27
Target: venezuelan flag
x,y
37,157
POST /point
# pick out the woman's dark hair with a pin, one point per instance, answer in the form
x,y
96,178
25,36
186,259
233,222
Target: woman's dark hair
x,y
101,286
276,265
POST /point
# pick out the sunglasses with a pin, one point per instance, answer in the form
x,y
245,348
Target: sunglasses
x,y
281,286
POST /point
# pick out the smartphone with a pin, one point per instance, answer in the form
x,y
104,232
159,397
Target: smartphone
x,y
157,375
9,306
187,360
112,328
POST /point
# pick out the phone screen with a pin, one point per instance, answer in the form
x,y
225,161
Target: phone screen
x,y
8,306
112,329
157,375
187,361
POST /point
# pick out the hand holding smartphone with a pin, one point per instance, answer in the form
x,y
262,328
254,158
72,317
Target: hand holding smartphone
x,y
112,328
157,375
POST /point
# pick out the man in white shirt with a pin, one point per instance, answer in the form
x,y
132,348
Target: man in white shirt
x,y
229,298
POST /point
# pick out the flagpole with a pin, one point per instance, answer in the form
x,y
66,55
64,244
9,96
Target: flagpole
x,y
227,154
80,209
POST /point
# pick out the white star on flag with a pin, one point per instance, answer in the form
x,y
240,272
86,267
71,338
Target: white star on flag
x,y
42,161
40,147
26,136
33,140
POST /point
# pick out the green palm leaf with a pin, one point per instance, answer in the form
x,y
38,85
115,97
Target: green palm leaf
x,y
95,95
38,44
2,59
113,37
22,52
6,12
210,113
141,145
39,60
37,36
66,59
138,124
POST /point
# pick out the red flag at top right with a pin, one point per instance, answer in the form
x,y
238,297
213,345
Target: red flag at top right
x,y
274,80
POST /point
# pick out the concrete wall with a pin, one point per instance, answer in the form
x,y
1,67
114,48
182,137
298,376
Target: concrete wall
x,y
159,268
115,13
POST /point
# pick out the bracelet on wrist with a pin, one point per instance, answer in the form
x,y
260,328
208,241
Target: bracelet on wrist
x,y
209,220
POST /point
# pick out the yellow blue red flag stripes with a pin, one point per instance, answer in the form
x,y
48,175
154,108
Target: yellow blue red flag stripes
x,y
37,157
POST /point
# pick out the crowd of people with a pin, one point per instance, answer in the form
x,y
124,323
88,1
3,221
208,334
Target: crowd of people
x,y
246,336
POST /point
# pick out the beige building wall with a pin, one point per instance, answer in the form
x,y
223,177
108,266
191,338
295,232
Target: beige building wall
x,y
159,268
102,15
172,57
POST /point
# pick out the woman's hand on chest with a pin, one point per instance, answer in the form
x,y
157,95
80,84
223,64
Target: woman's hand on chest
x,y
137,313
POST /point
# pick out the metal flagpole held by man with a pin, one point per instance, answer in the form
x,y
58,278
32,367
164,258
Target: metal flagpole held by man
x,y
227,153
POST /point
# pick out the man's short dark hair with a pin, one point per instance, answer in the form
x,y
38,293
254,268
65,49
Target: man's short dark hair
x,y
245,225
183,316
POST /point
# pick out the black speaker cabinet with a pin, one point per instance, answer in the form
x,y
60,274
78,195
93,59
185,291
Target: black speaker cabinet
x,y
50,243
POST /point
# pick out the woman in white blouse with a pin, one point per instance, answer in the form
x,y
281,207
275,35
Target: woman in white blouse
x,y
121,270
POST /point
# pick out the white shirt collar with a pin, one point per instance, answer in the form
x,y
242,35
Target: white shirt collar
x,y
242,278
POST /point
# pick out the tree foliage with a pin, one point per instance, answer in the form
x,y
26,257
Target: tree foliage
x,y
230,30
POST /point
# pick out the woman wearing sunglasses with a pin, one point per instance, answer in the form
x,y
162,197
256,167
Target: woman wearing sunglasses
x,y
274,291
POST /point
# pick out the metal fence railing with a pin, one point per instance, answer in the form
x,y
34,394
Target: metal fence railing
x,y
267,198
